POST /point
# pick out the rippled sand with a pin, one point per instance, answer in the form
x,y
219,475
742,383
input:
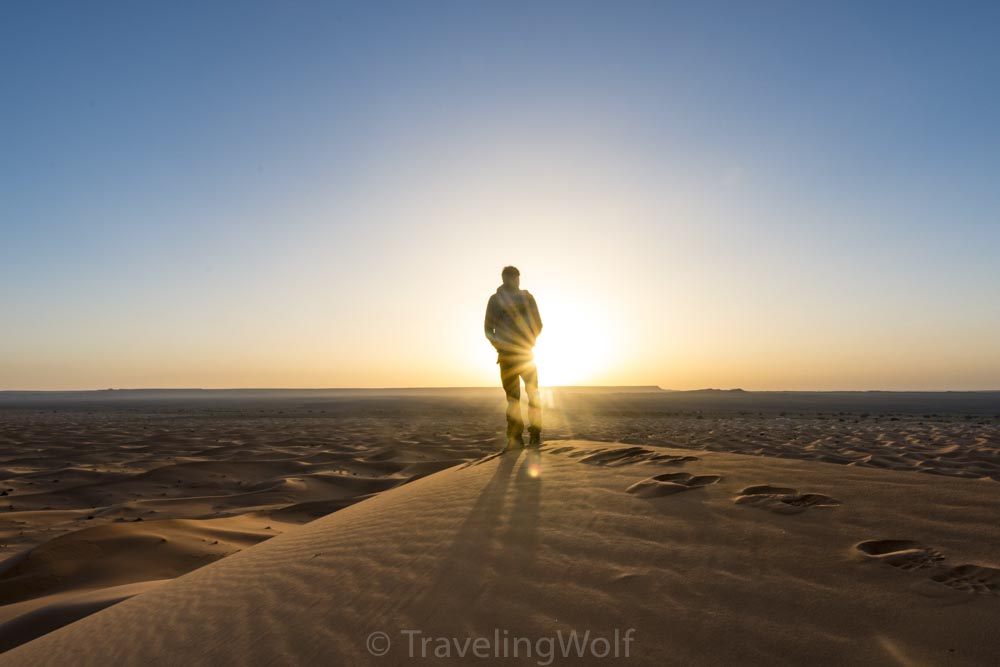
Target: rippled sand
x,y
112,499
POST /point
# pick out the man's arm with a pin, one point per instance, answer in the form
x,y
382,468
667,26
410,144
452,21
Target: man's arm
x,y
490,322
536,319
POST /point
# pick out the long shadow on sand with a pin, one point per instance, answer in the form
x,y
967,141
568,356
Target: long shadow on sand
x,y
520,539
477,555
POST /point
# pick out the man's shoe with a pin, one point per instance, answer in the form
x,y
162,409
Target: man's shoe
x,y
536,437
514,444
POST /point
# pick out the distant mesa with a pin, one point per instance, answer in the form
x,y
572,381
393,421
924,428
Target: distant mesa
x,y
737,390
610,388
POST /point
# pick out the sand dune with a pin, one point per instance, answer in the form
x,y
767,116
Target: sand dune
x,y
901,569
21,622
66,472
96,500
122,553
104,499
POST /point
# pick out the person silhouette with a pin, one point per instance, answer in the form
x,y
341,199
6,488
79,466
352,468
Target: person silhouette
x,y
512,326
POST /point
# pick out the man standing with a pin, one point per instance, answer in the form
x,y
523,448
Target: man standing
x,y
512,325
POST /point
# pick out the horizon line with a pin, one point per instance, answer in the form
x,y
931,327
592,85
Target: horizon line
x,y
647,387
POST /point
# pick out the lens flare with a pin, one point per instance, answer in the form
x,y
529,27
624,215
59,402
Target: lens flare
x,y
576,345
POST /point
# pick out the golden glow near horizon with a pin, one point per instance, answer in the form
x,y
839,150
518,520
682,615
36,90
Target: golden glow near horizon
x,y
690,207
639,282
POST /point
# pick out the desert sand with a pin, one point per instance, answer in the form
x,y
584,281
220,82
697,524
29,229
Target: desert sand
x,y
680,527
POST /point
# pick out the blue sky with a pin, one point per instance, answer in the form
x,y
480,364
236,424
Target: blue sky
x,y
766,195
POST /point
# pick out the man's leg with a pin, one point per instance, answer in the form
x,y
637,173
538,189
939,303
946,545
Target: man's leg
x,y
530,375
511,379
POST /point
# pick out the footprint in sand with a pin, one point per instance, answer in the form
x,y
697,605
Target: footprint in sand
x,y
671,460
912,555
670,483
626,455
904,554
616,456
782,499
971,579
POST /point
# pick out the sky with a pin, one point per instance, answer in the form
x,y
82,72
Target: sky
x,y
769,195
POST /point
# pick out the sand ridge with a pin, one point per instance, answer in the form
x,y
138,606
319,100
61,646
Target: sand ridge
x,y
99,499
95,498
541,543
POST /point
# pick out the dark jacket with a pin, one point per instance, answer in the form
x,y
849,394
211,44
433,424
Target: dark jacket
x,y
512,321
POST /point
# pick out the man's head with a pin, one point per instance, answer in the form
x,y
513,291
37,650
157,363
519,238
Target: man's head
x,y
511,277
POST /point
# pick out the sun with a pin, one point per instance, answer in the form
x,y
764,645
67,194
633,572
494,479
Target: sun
x,y
575,347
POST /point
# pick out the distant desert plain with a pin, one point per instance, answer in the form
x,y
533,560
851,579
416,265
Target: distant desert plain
x,y
661,527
